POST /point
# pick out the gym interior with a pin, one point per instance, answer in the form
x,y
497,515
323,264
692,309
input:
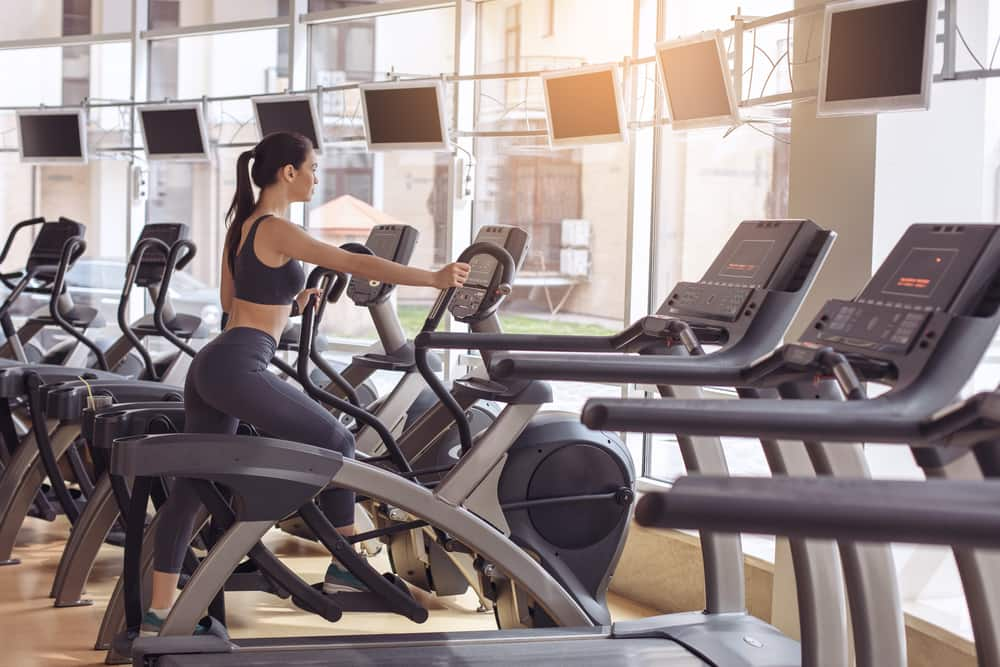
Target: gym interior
x,y
658,332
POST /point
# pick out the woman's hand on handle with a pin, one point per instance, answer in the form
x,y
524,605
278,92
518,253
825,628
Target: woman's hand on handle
x,y
302,298
452,275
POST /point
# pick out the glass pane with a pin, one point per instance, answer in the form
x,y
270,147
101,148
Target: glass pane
x,y
174,13
199,193
573,202
93,194
358,189
54,18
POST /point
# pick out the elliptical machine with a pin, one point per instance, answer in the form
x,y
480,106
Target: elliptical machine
x,y
540,466
55,250
162,248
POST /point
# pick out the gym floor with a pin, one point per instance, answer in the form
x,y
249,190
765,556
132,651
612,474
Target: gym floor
x,y
34,634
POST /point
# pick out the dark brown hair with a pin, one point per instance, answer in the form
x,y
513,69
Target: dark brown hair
x,y
269,156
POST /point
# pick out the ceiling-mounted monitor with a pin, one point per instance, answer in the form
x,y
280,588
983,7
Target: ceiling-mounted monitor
x,y
584,106
289,113
877,56
405,115
697,83
52,136
174,132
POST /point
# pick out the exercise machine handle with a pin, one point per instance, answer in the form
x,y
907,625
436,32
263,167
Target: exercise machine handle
x,y
72,249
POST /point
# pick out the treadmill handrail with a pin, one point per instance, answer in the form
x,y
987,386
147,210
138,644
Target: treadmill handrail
x,y
887,419
947,512
649,329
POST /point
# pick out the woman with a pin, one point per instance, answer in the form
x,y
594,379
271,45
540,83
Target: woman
x,y
228,380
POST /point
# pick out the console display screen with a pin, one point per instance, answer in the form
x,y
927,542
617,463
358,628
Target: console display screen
x,y
482,267
747,259
382,243
921,272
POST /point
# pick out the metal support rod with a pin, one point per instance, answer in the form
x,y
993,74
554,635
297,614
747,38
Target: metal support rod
x,y
950,16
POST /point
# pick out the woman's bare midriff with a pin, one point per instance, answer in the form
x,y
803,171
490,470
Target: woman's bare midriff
x,y
269,319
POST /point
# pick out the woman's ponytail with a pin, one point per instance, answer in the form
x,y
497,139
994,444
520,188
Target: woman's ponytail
x,y
241,208
272,153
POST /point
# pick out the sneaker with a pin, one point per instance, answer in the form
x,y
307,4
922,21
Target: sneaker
x,y
151,625
339,580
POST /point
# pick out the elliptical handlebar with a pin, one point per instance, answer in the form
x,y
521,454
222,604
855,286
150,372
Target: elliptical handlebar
x,y
72,249
332,291
131,271
5,277
508,270
174,262
308,328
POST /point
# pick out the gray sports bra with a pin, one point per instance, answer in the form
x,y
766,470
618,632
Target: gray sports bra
x,y
257,282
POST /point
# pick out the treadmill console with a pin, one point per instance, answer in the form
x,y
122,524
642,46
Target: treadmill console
x,y
923,276
760,254
480,297
392,242
154,259
48,246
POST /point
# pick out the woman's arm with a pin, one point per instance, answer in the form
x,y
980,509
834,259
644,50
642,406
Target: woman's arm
x,y
292,241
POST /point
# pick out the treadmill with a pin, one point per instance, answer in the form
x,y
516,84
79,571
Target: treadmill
x,y
921,326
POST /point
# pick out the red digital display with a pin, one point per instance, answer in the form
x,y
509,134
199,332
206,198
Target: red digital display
x,y
919,274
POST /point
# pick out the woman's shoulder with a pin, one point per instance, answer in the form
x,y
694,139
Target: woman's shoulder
x,y
271,221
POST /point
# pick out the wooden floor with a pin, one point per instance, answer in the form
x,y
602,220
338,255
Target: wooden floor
x,y
33,633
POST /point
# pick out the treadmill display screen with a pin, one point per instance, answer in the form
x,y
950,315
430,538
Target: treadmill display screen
x,y
746,261
921,272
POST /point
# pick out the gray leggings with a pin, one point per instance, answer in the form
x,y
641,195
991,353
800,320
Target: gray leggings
x,y
229,382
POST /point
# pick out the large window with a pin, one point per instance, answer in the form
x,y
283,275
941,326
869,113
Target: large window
x,y
359,189
712,179
231,64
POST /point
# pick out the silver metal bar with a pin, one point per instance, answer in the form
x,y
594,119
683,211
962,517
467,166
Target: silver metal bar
x,y
950,16
489,449
979,570
722,554
215,28
211,576
468,529
64,40
84,542
27,484
391,411
793,96
368,11
508,133
819,583
968,75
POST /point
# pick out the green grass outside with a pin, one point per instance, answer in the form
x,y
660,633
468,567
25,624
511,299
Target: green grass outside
x,y
412,318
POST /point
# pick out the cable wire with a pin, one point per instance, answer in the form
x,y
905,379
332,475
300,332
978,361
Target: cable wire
x,y
968,48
